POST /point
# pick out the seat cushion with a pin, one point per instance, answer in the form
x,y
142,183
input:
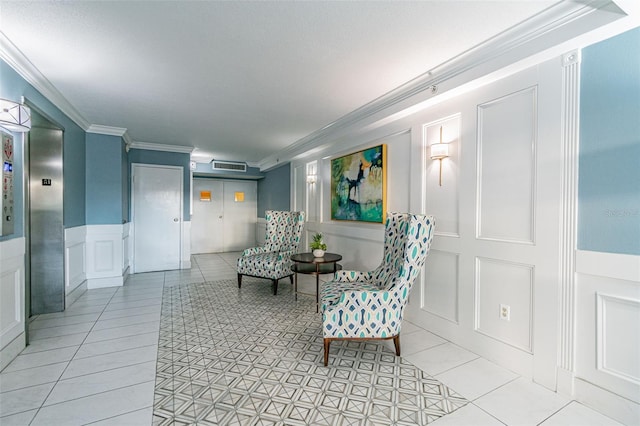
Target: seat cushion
x,y
268,265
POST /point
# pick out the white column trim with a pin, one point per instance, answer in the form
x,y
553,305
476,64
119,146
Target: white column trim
x,y
570,146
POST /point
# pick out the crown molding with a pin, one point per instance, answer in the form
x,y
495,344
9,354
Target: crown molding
x,y
111,131
106,130
150,146
19,62
562,21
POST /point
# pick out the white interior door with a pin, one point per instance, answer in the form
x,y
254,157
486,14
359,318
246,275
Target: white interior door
x,y
207,226
157,217
240,214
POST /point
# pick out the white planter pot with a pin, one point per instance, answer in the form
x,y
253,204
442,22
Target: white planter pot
x,y
318,253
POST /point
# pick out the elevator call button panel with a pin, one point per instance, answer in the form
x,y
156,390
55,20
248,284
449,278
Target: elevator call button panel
x,y
8,212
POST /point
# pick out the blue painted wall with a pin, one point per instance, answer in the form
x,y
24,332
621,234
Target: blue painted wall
x,y
168,159
609,176
105,193
13,87
274,191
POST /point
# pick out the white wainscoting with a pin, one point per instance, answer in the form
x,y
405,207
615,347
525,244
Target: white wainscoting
x,y
75,261
105,255
12,315
607,374
185,252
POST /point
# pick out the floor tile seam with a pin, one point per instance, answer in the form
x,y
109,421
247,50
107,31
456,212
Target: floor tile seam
x,y
135,302
134,298
90,395
124,414
484,411
122,326
67,366
155,360
495,389
115,352
27,387
554,413
64,325
38,366
450,368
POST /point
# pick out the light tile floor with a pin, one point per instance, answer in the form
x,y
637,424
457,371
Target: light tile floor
x,y
95,363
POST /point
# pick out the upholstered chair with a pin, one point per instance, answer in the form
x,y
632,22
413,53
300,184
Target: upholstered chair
x,y
369,305
273,259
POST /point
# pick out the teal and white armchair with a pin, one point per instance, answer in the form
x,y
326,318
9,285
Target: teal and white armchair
x,y
273,259
369,305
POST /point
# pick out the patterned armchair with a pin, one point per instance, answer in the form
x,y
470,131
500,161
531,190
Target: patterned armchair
x,y
273,259
369,305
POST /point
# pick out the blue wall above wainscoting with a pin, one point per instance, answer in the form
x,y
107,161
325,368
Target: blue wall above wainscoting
x,y
106,191
609,181
13,87
274,191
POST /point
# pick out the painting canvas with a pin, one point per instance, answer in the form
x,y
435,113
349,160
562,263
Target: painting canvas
x,y
358,186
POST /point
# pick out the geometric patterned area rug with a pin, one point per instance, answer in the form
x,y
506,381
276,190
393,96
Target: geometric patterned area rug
x,y
232,356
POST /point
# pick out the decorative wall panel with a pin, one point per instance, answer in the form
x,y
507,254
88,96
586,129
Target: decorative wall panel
x,y
441,278
618,350
506,167
442,201
505,285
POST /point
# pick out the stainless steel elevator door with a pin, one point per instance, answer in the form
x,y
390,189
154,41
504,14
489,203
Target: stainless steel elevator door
x,y
45,221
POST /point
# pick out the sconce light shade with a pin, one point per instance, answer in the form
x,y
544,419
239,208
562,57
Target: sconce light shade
x,y
439,151
14,117
311,179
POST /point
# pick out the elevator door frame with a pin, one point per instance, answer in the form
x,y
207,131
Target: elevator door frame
x,y
26,165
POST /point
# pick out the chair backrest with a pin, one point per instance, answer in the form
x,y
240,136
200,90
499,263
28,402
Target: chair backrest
x,y
284,230
395,230
417,242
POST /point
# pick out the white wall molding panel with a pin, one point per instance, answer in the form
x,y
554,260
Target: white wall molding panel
x,y
12,303
570,134
607,329
105,256
498,220
185,251
75,270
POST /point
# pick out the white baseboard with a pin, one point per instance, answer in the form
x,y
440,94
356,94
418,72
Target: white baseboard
x,y
9,352
620,409
75,294
93,283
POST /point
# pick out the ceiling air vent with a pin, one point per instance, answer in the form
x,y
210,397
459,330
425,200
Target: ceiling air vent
x,y
229,166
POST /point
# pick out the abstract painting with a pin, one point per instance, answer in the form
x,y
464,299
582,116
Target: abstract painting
x,y
358,185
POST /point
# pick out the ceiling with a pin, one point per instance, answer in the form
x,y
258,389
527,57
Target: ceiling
x,y
241,80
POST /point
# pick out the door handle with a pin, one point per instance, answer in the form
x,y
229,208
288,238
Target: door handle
x,y
219,217
175,219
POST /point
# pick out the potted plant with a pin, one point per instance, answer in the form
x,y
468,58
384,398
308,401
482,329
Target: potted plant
x,y
317,246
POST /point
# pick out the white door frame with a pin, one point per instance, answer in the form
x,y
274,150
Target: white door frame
x,y
133,212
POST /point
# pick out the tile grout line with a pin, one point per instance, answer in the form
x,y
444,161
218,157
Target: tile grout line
x,y
68,363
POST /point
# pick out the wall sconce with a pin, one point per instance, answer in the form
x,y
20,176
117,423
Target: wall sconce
x,y
312,179
14,117
438,152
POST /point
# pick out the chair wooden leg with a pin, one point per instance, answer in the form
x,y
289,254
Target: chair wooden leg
x,y
239,280
396,342
327,342
275,287
291,279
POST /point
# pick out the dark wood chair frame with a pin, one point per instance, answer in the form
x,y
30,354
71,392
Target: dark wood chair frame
x,y
328,340
274,281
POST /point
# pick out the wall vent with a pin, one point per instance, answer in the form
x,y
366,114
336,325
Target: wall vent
x,y
229,166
